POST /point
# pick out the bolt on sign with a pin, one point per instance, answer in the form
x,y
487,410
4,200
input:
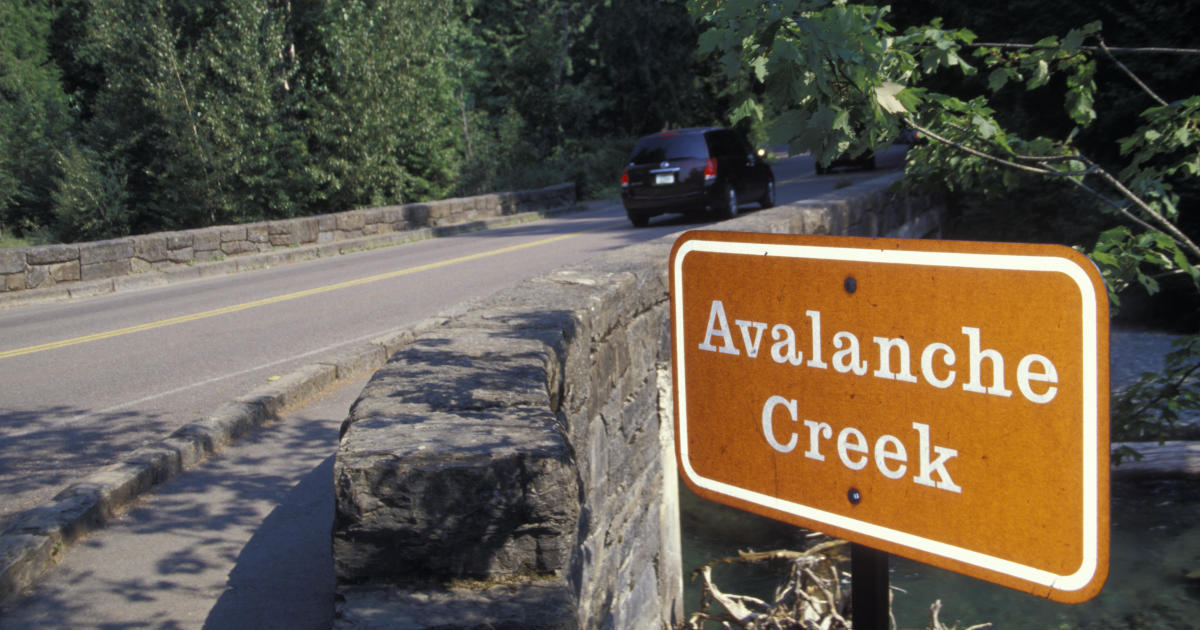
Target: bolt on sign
x,y
943,401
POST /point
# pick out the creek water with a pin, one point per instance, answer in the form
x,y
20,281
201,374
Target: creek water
x,y
1153,581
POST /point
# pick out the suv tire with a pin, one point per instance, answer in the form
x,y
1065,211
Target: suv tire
x,y
729,203
768,198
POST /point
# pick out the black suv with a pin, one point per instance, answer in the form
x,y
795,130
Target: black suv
x,y
689,170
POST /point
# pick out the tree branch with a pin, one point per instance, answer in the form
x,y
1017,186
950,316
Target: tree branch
x,y
1130,74
1165,226
1139,50
977,153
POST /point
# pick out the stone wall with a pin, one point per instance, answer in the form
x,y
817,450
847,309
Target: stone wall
x,y
513,467
48,266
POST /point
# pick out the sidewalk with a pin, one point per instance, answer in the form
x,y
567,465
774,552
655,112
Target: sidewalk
x,y
242,541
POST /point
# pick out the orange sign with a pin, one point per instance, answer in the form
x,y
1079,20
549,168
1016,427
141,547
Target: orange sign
x,y
943,401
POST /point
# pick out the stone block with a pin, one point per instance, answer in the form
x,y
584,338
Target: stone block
x,y
50,254
206,240
38,277
463,369
437,496
237,248
392,216
257,233
418,214
65,272
12,261
179,240
183,255
233,233
99,271
293,232
14,282
351,221
23,559
151,248
489,204
357,360
101,252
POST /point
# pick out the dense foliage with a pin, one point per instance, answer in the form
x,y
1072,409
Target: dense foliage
x,y
1005,117
120,117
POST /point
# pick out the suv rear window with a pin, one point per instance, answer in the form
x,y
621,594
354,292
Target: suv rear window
x,y
666,147
727,144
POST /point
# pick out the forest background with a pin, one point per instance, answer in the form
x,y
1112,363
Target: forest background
x,y
122,117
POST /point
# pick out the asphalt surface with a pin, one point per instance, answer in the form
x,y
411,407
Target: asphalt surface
x,y
87,381
242,540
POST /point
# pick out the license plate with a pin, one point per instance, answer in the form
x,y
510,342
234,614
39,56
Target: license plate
x,y
663,179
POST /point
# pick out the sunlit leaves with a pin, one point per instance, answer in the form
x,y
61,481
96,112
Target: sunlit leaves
x,y
840,79
885,95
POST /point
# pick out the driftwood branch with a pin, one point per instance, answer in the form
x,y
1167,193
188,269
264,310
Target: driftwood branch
x,y
811,598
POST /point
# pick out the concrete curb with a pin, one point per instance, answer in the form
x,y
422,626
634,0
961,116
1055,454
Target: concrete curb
x,y
38,538
250,262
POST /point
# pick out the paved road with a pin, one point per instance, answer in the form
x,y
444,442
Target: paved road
x,y
132,367
86,381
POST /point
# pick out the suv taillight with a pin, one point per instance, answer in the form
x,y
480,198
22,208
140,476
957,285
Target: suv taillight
x,y
625,178
710,169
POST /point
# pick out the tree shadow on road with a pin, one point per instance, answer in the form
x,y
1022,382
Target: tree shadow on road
x,y
248,529
44,450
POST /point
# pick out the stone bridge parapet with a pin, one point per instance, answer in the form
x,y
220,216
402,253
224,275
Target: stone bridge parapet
x,y
103,266
513,466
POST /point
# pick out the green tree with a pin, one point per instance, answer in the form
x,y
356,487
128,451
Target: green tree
x,y
34,116
836,78
382,99
196,102
645,60
90,199
562,88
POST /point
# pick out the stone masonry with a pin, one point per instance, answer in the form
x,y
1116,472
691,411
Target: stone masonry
x,y
514,466
47,266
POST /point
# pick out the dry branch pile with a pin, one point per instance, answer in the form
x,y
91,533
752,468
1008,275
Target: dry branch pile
x,y
815,595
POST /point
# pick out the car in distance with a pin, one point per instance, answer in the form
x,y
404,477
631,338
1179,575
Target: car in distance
x,y
694,170
866,161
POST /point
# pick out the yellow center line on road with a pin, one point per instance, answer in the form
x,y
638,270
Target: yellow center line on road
x,y
182,319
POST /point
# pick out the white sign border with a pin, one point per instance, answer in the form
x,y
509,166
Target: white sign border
x,y
1001,262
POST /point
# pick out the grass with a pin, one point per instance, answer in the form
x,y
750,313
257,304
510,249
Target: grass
x,y
12,242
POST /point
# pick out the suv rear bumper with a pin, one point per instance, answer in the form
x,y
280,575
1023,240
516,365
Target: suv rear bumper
x,y
692,201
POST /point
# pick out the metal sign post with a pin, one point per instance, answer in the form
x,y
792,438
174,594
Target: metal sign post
x,y
869,588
